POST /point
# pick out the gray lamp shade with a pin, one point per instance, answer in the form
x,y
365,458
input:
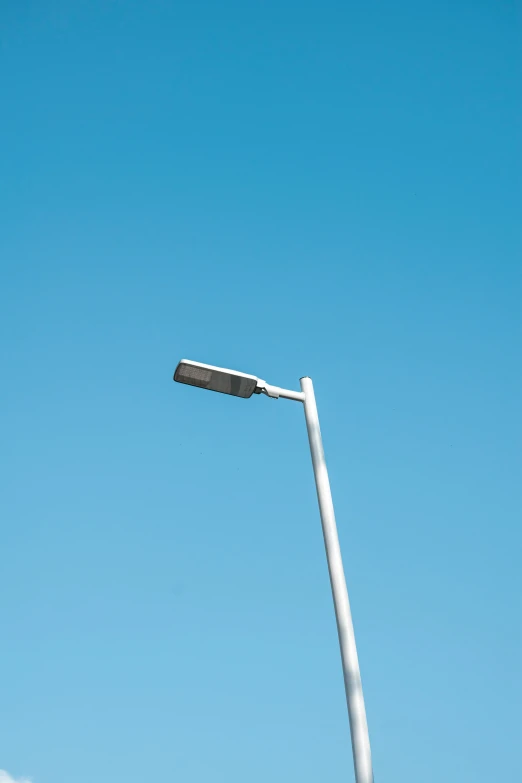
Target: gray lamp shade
x,y
215,378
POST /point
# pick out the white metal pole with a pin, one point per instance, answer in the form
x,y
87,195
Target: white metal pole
x,y
362,758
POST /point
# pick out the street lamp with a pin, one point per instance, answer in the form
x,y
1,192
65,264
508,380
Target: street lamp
x,y
242,385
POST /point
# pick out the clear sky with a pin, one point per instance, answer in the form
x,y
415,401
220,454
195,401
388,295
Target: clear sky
x,y
288,188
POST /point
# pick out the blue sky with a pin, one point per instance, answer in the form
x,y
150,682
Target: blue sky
x,y
326,189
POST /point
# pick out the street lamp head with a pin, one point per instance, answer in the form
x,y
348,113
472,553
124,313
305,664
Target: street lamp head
x,y
216,378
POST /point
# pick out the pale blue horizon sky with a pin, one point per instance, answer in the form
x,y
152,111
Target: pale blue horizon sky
x,y
326,189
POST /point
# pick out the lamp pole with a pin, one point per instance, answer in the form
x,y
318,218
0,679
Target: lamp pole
x,y
362,758
241,385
